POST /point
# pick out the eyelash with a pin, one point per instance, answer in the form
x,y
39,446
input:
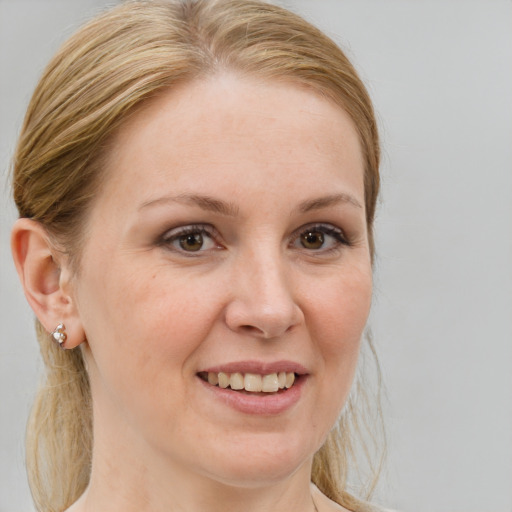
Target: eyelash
x,y
172,236
326,229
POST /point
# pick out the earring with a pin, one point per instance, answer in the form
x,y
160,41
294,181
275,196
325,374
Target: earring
x,y
59,334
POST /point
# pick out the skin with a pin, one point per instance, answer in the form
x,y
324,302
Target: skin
x,y
283,162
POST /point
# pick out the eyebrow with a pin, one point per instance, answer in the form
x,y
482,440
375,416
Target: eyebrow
x,y
228,209
204,202
326,201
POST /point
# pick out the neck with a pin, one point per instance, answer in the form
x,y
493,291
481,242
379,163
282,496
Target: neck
x,y
139,481
192,495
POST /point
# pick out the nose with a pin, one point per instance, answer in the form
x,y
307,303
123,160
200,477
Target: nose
x,y
263,303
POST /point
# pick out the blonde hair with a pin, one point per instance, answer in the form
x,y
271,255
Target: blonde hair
x,y
106,70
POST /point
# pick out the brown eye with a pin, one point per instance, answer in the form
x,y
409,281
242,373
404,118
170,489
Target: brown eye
x,y
312,239
319,239
191,242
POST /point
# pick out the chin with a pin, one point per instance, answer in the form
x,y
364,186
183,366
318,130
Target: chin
x,y
259,463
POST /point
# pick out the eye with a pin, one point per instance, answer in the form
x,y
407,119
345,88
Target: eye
x,y
312,239
192,242
320,237
190,239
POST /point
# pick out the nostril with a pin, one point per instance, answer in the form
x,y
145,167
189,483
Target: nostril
x,y
260,319
262,333
250,329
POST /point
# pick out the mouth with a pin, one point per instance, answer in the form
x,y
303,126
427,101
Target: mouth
x,y
252,383
256,388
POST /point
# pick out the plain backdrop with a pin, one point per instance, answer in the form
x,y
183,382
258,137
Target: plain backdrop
x,y
440,74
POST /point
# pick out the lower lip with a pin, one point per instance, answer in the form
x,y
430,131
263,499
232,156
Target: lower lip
x,y
265,405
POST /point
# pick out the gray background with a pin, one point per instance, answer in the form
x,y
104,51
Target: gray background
x,y
440,73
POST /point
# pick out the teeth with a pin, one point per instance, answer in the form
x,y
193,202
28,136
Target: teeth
x,y
253,382
223,379
269,383
236,381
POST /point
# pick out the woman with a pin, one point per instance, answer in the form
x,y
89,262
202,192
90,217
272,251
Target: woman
x,y
196,183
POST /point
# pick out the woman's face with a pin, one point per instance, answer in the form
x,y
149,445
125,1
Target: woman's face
x,y
229,237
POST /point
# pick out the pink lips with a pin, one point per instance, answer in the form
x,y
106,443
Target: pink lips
x,y
258,403
258,367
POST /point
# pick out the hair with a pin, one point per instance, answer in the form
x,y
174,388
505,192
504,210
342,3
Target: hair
x,y
104,72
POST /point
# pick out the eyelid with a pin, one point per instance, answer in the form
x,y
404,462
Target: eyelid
x,y
173,234
326,228
187,229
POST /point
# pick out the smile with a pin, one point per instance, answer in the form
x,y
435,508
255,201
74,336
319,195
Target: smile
x,y
250,382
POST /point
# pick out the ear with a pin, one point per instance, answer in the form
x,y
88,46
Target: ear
x,y
46,279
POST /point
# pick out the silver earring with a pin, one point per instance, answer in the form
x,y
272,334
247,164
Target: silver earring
x,y
59,334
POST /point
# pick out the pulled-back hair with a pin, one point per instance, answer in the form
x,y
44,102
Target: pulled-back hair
x,y
97,79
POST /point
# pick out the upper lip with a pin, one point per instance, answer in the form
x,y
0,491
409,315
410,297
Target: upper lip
x,y
258,367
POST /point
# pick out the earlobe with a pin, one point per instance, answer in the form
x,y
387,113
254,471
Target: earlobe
x,y
45,279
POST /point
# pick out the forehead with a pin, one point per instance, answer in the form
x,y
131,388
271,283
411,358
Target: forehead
x,y
231,131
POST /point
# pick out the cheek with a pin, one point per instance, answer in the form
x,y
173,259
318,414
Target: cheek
x,y
339,313
144,330
338,316
141,323
165,313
